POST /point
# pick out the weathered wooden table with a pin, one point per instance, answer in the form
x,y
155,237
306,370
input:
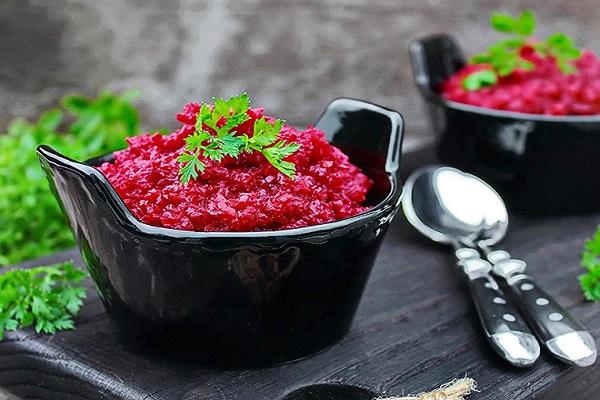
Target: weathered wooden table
x,y
415,329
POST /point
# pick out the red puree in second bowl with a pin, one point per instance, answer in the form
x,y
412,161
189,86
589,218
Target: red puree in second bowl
x,y
545,90
242,194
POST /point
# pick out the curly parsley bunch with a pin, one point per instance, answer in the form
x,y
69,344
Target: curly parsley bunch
x,y
590,260
46,298
30,220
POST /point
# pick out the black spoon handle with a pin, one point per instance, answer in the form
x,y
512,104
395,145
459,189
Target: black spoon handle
x,y
496,313
508,334
564,336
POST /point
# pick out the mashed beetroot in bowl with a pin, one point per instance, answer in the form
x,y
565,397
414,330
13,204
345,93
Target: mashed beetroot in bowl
x,y
236,194
543,90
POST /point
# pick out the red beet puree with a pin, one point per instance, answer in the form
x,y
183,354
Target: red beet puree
x,y
242,194
544,90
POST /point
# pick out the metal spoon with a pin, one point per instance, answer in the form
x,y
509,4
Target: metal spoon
x,y
427,211
450,206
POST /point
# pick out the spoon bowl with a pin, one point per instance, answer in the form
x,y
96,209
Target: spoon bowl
x,y
448,205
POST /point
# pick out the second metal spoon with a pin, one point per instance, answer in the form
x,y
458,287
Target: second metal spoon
x,y
451,206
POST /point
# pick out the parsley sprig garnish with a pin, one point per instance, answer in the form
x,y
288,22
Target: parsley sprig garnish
x,y
216,136
504,56
46,298
590,260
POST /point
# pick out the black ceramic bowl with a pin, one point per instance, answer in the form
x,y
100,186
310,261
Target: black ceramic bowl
x,y
540,164
236,298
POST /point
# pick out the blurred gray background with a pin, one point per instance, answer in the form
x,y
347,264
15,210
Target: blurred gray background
x,y
291,56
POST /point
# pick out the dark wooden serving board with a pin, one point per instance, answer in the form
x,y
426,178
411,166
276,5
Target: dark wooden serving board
x,y
415,329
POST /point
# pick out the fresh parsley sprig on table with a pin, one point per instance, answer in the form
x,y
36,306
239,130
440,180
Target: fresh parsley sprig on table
x,y
31,223
222,139
504,57
46,298
590,260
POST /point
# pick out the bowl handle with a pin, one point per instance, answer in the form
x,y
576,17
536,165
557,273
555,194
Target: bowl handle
x,y
357,124
434,58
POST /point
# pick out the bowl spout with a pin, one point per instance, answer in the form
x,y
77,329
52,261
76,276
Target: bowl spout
x,y
81,191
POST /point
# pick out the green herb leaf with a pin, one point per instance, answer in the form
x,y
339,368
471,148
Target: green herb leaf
x,y
239,104
46,297
480,79
235,121
191,168
523,25
503,22
50,119
566,67
216,136
276,153
75,103
231,145
562,47
559,40
31,223
590,260
265,133
526,65
526,23
482,58
504,56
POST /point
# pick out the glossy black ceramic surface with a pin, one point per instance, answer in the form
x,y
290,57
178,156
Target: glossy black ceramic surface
x,y
539,164
235,298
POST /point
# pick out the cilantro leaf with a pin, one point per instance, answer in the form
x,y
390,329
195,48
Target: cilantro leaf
x,y
590,260
216,136
504,56
46,297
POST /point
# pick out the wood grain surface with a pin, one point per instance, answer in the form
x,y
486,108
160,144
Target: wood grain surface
x,y
415,329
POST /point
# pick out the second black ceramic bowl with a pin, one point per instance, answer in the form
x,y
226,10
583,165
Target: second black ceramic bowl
x,y
539,164
233,297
